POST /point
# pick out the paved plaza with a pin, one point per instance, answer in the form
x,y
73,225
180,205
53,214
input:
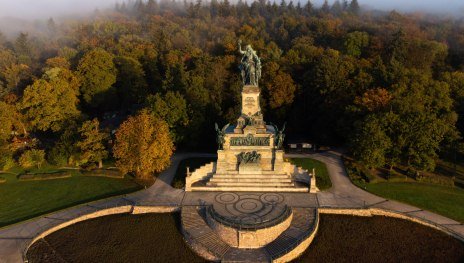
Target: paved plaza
x,y
343,194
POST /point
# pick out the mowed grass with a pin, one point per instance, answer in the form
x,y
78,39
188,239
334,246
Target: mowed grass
x,y
21,200
443,200
322,176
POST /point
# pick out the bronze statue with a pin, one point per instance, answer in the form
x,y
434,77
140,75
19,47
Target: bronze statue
x,y
250,65
220,135
279,136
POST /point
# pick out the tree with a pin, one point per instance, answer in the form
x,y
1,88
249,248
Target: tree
x,y
92,143
354,7
370,143
32,158
131,85
171,108
355,42
143,145
24,50
325,7
336,7
374,99
11,122
279,86
51,100
98,74
308,8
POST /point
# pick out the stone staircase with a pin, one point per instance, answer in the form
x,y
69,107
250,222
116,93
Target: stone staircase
x,y
289,179
205,242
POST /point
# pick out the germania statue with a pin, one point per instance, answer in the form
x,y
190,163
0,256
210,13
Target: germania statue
x,y
250,65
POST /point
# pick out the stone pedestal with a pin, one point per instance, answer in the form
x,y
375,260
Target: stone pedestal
x,y
251,135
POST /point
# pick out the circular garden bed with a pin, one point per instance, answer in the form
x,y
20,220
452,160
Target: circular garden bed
x,y
156,238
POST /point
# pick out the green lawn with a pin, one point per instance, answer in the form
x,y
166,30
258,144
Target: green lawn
x,y
322,176
447,201
21,200
193,164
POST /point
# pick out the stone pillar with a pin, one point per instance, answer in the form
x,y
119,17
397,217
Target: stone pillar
x,y
279,161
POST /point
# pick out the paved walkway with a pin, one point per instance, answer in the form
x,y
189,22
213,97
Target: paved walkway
x,y
343,194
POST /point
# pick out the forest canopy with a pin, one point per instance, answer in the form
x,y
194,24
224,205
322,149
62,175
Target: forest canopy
x,y
388,85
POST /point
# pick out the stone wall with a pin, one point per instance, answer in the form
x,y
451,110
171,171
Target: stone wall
x,y
368,212
248,238
104,212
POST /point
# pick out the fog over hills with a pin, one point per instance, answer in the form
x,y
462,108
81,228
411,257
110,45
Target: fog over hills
x,y
19,15
46,8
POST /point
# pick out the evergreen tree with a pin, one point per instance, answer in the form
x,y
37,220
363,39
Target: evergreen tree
x,y
354,7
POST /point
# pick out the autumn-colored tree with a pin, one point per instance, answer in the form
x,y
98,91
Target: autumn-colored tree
x,y
143,145
92,143
280,87
51,100
11,122
374,99
98,74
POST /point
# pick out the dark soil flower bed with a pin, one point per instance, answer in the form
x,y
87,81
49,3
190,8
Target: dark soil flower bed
x,y
344,238
116,238
156,238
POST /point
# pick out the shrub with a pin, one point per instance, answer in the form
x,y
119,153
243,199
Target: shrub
x,y
396,177
57,157
43,176
7,162
112,173
32,158
435,179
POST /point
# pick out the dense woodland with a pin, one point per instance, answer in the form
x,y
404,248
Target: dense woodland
x,y
388,86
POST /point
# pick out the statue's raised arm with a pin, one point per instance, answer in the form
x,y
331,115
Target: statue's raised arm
x,y
240,47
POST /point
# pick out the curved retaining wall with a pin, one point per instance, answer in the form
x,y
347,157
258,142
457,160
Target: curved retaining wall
x,y
104,212
388,213
291,255
242,238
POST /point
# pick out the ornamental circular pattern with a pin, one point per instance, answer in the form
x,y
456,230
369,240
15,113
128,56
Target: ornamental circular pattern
x,y
249,210
272,198
248,206
227,198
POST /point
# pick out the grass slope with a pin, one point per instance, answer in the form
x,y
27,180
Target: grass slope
x,y
322,176
21,200
447,201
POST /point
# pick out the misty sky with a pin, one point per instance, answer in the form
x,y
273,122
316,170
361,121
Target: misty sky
x,y
46,8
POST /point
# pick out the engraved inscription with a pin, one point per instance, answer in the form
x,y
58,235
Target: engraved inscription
x,y
249,140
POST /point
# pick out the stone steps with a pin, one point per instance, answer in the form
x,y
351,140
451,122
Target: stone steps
x,y
250,180
257,176
199,233
303,224
288,189
252,183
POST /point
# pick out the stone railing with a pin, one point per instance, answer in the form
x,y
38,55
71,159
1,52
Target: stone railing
x,y
202,173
